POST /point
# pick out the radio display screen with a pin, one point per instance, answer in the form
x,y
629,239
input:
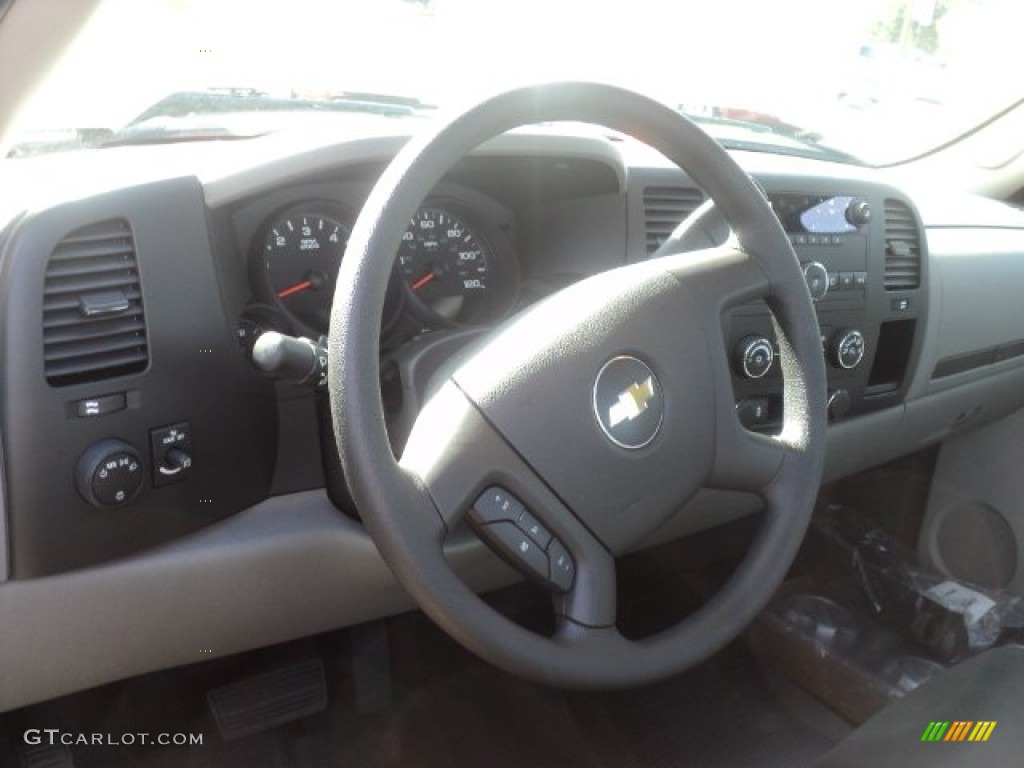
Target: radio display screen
x,y
817,214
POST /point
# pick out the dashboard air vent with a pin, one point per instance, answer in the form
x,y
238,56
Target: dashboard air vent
x,y
664,208
93,323
902,247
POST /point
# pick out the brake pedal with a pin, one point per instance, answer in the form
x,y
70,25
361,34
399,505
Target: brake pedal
x,y
269,699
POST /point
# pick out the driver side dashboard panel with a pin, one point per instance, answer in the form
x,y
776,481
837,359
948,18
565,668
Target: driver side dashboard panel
x,y
129,415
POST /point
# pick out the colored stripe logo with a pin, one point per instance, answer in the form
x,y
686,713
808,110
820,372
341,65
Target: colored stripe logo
x,y
959,730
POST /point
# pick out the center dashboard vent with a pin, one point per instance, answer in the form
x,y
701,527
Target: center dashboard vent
x,y
93,322
902,247
664,209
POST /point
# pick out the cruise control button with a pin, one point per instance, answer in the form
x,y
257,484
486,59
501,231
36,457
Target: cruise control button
x,y
496,504
517,547
563,569
529,525
846,281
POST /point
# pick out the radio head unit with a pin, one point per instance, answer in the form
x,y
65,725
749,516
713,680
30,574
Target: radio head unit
x,y
820,214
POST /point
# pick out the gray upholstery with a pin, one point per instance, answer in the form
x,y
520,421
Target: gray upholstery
x,y
988,687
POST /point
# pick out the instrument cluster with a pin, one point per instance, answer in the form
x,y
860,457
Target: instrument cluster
x,y
455,267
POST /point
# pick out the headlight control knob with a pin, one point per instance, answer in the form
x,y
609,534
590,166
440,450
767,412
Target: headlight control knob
x,y
753,357
109,474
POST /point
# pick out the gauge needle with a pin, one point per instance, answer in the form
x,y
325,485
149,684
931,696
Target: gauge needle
x,y
423,281
295,288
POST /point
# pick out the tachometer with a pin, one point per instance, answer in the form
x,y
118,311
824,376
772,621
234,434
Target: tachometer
x,y
301,254
448,265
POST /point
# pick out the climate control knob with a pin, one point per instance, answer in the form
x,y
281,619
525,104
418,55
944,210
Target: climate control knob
x,y
109,474
816,277
753,357
847,348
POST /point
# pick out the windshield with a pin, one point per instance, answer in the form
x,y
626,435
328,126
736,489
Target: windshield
x,y
879,80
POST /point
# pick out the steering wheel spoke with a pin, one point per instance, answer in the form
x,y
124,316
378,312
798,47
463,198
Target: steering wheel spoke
x,y
591,601
719,278
744,460
455,453
413,371
509,506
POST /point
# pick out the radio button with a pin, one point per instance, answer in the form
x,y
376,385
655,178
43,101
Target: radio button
x,y
563,569
496,505
517,548
816,277
858,213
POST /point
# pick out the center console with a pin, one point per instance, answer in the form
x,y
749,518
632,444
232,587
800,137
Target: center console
x,y
861,255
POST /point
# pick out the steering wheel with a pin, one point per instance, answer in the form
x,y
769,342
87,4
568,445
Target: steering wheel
x,y
600,410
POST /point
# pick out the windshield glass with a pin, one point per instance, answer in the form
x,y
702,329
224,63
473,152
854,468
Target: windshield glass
x,y
879,80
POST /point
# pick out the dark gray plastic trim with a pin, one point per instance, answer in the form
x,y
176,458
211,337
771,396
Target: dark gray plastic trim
x,y
293,167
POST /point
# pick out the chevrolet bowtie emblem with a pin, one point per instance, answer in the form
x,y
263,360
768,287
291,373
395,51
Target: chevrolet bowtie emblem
x,y
631,403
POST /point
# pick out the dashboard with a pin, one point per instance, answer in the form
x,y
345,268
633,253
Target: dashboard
x,y
151,471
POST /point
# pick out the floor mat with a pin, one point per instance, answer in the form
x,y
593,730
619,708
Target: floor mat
x,y
452,711
725,713
448,709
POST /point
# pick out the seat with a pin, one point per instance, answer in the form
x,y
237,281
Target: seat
x,y
989,687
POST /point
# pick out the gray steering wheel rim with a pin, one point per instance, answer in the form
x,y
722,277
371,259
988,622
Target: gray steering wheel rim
x,y
395,506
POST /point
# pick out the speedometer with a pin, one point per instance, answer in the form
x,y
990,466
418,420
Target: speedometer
x,y
448,265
